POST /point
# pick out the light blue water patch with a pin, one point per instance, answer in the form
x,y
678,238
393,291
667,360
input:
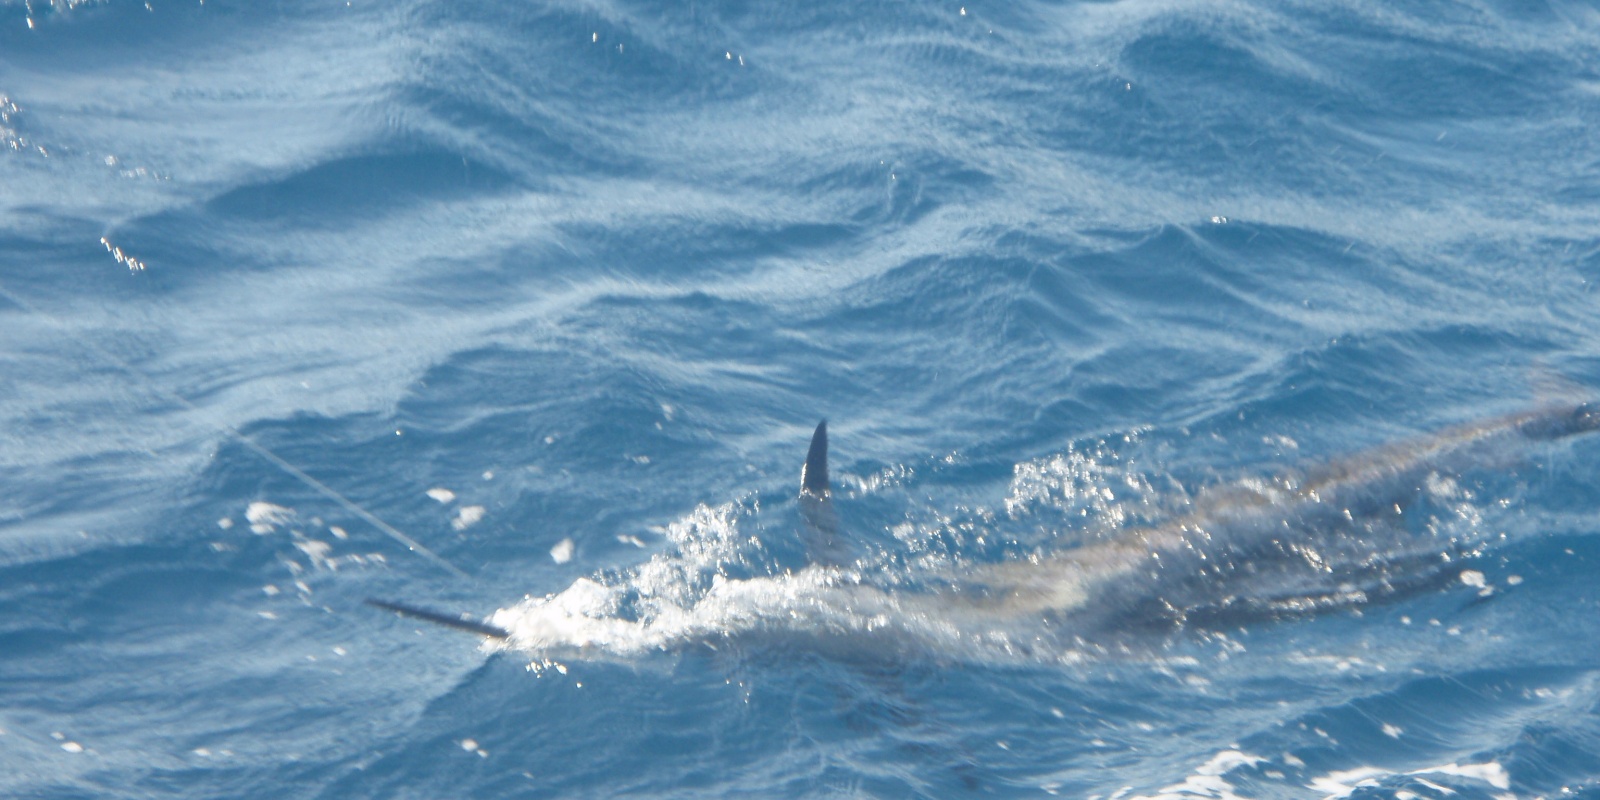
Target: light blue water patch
x,y
559,292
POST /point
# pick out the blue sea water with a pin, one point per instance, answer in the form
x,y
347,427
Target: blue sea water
x,y
559,290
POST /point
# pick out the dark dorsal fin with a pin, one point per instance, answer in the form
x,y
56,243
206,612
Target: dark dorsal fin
x,y
814,475
824,546
441,618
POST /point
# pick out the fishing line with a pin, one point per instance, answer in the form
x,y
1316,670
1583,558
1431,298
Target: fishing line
x,y
245,440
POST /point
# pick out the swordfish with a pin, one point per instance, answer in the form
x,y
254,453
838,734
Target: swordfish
x,y
1307,541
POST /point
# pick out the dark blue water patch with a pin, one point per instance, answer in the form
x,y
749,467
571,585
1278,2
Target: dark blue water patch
x,y
1582,188
1554,561
327,444
1362,376
1199,100
918,184
758,371
154,596
577,445
969,295
341,192
1210,101
614,62
860,180
873,201
1380,374
1550,758
84,485
542,406
210,240
130,596
63,791
1291,266
846,21
303,724
1464,344
1057,303
910,723
1564,480
1588,260
535,150
1141,382
491,279
1097,113
61,263
656,730
113,33
562,90
896,715
1429,720
690,249
1191,62
209,781
1075,724
236,476
1296,275
1404,74
1168,276
1024,325
52,590
720,352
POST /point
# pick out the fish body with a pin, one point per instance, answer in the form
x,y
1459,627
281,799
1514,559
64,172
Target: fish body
x,y
1333,536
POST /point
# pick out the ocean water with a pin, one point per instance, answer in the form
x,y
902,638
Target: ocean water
x,y
558,291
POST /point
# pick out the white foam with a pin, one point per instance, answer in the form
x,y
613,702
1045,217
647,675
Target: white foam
x,y
1342,783
562,552
670,598
1207,780
441,494
1491,773
1084,483
266,517
318,552
585,618
466,517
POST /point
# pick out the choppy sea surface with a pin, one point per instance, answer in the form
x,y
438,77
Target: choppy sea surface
x,y
556,292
